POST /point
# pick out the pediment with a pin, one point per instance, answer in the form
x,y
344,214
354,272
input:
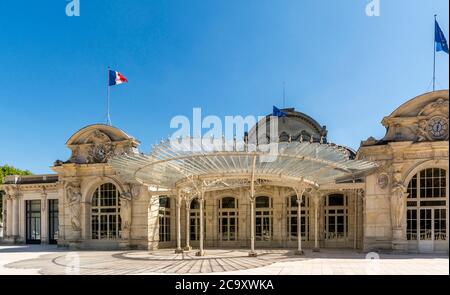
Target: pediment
x,y
98,143
436,108
96,137
423,118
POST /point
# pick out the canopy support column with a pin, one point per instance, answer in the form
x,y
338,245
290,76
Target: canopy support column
x,y
188,246
299,192
178,205
252,252
201,252
316,200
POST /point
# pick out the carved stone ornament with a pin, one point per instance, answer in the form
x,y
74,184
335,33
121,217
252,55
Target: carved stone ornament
x,y
398,204
422,133
100,153
438,106
98,136
73,198
125,210
383,180
135,191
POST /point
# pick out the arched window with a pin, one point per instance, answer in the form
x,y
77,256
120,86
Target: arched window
x,y
336,217
228,219
426,205
264,218
164,219
292,218
106,212
194,222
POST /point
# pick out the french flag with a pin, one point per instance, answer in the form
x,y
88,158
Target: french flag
x,y
116,78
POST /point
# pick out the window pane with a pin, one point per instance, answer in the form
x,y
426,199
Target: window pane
x,y
228,202
336,200
262,202
105,219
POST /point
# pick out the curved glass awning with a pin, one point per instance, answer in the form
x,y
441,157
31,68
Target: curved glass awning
x,y
229,164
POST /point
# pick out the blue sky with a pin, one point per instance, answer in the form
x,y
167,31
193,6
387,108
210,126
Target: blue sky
x,y
229,57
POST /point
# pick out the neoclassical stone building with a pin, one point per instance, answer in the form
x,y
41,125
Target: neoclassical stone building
x,y
392,194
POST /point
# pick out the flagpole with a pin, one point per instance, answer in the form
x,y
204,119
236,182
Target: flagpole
x,y
434,55
107,101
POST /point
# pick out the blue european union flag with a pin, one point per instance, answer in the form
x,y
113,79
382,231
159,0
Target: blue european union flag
x,y
278,113
439,38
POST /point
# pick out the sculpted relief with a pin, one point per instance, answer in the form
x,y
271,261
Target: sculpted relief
x,y
433,121
398,204
428,123
97,147
73,198
125,210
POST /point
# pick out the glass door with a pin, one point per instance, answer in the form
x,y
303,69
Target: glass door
x,y
426,235
263,224
53,222
33,222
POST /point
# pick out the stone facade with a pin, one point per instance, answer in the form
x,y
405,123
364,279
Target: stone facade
x,y
416,139
372,213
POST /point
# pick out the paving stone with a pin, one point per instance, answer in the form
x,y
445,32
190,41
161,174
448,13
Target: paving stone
x,y
53,261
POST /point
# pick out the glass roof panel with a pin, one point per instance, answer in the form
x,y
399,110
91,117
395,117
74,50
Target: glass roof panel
x,y
171,164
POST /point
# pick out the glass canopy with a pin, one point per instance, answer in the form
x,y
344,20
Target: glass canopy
x,y
228,164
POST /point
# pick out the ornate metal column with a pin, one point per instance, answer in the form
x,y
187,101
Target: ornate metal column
x,y
299,191
252,252
316,201
201,200
178,205
188,246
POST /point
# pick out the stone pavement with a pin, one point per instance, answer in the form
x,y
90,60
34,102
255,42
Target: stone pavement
x,y
50,260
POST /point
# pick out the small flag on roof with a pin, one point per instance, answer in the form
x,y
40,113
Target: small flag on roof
x,y
116,78
278,113
439,38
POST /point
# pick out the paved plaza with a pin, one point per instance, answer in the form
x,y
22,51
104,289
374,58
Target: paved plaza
x,y
50,260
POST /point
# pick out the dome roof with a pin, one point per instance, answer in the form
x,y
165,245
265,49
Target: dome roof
x,y
109,133
415,120
97,143
416,105
293,126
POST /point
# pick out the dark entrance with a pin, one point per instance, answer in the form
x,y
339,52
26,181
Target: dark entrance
x,y
33,224
53,222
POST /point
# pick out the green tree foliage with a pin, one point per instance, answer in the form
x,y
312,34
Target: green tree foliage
x,y
6,170
10,170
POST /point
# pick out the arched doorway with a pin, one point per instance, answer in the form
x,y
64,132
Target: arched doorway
x,y
426,215
264,219
228,219
105,213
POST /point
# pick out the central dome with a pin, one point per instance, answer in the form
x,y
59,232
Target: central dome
x,y
292,127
